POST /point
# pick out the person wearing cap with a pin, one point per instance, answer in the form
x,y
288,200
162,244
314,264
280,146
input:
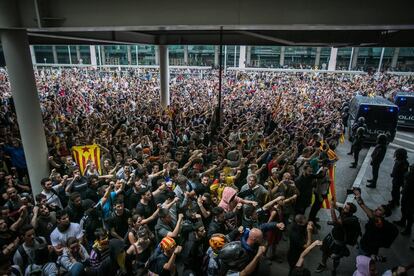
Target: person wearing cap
x,y
211,264
163,261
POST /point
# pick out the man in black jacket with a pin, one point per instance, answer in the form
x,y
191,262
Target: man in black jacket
x,y
217,224
346,230
305,184
357,144
377,157
194,249
379,233
77,207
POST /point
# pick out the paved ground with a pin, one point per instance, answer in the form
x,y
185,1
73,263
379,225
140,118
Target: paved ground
x,y
346,177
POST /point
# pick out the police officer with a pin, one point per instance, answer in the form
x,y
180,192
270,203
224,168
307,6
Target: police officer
x,y
359,123
377,157
357,144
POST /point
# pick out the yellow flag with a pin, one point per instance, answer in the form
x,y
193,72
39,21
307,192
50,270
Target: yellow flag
x,y
342,139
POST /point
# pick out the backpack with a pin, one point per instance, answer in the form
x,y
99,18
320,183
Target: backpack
x,y
23,253
205,265
392,233
352,231
59,196
34,270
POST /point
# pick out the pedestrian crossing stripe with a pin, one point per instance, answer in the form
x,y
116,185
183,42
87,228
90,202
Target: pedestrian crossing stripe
x,y
404,141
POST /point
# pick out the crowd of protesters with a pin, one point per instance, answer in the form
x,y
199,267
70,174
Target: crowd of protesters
x,y
190,189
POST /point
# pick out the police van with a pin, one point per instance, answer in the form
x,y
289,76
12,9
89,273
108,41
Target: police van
x,y
380,115
405,102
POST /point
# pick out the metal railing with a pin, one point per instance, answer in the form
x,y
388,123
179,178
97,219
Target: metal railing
x,y
296,70
183,67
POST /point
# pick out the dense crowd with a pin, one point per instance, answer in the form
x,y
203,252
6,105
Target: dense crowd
x,y
190,189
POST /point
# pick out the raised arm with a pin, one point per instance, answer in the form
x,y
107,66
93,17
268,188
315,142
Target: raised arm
x,y
177,228
361,203
209,171
249,269
203,210
151,218
19,222
305,252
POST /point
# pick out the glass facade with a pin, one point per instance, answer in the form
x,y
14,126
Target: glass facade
x,y
401,59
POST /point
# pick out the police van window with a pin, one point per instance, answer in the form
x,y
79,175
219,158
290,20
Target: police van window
x,y
410,101
401,101
404,101
379,115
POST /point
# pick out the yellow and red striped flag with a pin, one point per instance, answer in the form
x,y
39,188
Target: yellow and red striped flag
x,y
342,138
326,203
83,154
331,194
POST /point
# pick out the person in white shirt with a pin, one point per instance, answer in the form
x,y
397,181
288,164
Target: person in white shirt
x,y
51,192
64,230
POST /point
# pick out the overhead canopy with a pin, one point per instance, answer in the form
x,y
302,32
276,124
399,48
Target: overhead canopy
x,y
244,22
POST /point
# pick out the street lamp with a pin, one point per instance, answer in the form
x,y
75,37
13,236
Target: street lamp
x,y
45,60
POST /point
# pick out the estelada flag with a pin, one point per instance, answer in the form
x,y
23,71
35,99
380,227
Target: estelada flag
x,y
331,194
326,203
84,154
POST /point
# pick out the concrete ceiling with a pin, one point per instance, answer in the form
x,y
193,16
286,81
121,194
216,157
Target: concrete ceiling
x,y
246,22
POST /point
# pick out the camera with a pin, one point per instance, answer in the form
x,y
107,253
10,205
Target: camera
x,y
352,190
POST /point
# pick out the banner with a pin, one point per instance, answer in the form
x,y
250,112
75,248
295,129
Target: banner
x,y
88,153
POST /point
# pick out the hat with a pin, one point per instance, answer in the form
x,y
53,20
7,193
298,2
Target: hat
x,y
167,243
217,243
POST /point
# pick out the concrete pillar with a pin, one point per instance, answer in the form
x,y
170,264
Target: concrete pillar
x,y
355,58
164,75
318,56
380,61
103,59
69,55
136,54
78,54
282,56
55,58
242,57
26,101
395,57
216,56
157,56
92,52
332,59
129,55
33,54
248,56
186,54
